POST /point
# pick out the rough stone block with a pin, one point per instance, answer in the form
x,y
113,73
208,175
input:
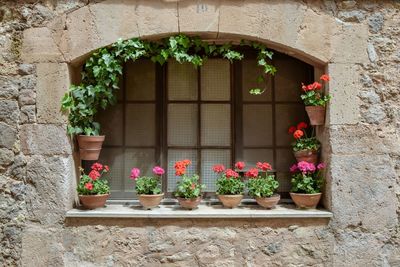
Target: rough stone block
x,y
8,136
9,111
363,192
199,17
6,157
8,88
26,97
28,114
344,88
52,83
38,46
44,140
349,43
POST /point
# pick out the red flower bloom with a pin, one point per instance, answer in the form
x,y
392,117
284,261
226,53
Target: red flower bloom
x,y
180,171
179,165
265,166
229,173
94,175
186,162
240,165
292,129
106,168
89,186
325,78
302,125
97,166
316,86
252,173
218,168
193,186
298,134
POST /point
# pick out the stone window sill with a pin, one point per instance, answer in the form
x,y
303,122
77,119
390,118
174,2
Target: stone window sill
x,y
205,210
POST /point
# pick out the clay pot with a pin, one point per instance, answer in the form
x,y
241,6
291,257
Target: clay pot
x,y
150,201
90,146
307,201
268,202
189,203
93,201
310,156
230,201
316,114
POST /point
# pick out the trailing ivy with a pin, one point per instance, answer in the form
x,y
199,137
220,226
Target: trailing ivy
x,y
100,76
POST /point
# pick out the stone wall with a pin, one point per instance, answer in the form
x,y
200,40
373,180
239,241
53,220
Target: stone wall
x,y
356,42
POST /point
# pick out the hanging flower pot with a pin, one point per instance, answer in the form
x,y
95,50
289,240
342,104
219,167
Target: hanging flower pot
x,y
307,155
306,201
268,202
316,114
90,146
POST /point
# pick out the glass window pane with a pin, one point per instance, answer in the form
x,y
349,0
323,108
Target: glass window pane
x,y
182,81
140,80
144,159
291,73
257,125
114,158
284,181
215,125
250,72
215,80
140,125
175,155
288,115
182,124
285,159
210,157
111,121
252,156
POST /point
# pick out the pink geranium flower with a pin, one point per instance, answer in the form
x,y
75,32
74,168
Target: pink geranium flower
x,y
305,166
157,170
218,168
321,166
135,172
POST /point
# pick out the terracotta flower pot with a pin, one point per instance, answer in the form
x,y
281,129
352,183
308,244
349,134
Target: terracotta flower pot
x,y
150,201
189,203
316,114
268,202
230,201
307,201
310,156
93,201
90,146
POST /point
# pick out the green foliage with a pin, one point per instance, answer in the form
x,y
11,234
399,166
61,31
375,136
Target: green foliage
x,y
189,187
101,73
99,186
315,98
262,186
310,143
306,183
148,185
229,186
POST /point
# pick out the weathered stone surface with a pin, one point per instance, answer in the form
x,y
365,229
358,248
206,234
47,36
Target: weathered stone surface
x,y
8,136
9,111
44,140
25,69
52,83
8,89
28,114
6,157
38,46
352,16
371,52
376,22
27,97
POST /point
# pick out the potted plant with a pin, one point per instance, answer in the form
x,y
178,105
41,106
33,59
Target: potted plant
x,y
92,190
262,185
306,184
148,187
306,146
82,102
315,101
188,190
230,188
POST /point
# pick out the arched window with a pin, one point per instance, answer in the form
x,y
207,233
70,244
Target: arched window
x,y
175,111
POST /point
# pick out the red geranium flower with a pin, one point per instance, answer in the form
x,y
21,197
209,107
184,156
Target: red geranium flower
x,y
187,162
298,134
179,165
229,173
240,165
180,171
97,166
292,129
89,186
316,86
94,175
265,166
218,168
106,168
302,125
325,78
252,173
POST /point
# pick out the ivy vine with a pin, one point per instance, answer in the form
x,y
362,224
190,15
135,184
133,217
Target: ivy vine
x,y
100,76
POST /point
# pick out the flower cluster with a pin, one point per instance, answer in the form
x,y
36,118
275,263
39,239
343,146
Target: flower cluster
x,y
262,183
135,172
228,173
226,185
188,186
312,95
147,185
303,141
180,167
306,177
90,184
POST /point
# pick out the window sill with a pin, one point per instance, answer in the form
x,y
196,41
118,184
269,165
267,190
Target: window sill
x,y
203,211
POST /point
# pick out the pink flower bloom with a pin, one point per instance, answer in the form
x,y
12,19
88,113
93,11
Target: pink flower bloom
x,y
265,166
240,165
321,166
306,167
218,168
157,170
94,175
135,172
252,173
294,168
89,186
231,173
